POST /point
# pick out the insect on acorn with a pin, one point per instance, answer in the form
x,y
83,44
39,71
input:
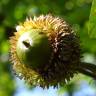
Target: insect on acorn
x,y
45,51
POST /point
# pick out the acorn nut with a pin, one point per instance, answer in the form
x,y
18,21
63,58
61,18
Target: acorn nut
x,y
33,48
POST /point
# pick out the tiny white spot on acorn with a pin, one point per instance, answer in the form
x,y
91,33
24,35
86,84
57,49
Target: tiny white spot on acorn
x,y
25,37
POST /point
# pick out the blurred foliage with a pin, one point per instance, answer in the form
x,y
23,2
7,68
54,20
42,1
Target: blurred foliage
x,y
75,84
12,12
92,21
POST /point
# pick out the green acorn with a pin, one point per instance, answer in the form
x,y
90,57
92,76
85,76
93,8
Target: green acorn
x,y
33,48
46,52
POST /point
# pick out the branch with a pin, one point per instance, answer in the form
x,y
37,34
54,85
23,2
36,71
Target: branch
x,y
87,69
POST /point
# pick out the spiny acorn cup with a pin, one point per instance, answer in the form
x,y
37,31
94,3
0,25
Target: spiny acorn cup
x,y
45,51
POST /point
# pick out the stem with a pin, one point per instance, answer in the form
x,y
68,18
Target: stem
x,y
88,69
88,73
89,66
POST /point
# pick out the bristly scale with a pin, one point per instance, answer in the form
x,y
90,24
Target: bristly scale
x,y
64,57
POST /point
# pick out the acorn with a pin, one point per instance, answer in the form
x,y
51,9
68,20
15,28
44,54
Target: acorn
x,y
33,48
45,51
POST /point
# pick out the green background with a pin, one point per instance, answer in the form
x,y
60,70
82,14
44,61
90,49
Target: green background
x,y
12,12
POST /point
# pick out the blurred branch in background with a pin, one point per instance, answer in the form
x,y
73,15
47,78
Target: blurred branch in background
x,y
12,12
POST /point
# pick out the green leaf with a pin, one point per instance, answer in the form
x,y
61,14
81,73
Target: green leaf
x,y
92,21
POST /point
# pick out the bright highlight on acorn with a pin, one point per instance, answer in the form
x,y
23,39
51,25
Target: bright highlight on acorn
x,y
45,51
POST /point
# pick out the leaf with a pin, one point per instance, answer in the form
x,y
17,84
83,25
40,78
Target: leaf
x,y
92,21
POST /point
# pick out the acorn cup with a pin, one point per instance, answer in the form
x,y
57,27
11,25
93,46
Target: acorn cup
x,y
45,52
